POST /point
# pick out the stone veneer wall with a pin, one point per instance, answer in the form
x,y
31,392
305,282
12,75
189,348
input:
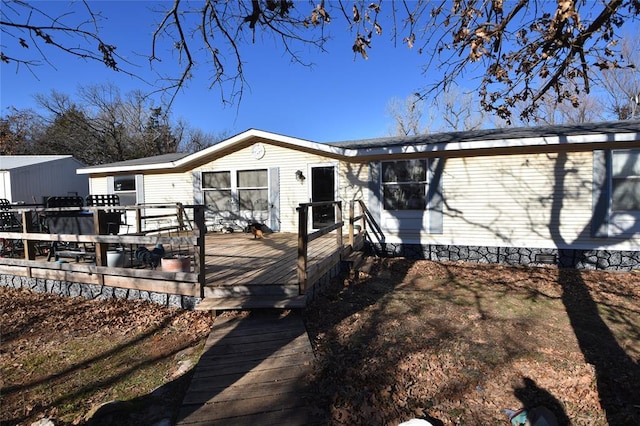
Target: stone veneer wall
x,y
564,258
93,291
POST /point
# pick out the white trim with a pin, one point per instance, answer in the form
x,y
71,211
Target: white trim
x,y
503,143
238,139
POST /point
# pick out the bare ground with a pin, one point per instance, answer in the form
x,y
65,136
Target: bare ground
x,y
455,343
64,358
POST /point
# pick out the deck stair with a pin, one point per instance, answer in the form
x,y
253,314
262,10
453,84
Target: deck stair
x,y
250,302
247,297
358,261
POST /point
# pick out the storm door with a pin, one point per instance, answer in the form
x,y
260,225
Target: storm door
x,y
323,188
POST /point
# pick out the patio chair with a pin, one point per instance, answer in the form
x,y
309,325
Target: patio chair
x,y
9,223
114,217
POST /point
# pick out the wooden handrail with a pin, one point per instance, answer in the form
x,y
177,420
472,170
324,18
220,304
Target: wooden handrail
x,y
304,238
377,231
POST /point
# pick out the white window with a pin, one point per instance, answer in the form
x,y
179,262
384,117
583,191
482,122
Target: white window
x,y
253,191
216,187
625,194
404,184
125,187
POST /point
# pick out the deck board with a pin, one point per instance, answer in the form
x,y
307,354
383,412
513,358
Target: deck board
x,y
254,370
239,259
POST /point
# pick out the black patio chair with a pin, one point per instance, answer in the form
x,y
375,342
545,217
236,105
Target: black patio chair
x,y
114,217
9,223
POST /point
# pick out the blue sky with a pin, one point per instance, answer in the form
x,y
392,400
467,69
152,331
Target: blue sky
x,y
341,97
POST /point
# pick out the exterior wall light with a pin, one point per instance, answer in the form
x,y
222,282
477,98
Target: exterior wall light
x,y
299,176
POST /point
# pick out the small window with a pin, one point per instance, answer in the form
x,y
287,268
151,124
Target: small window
x,y
626,180
253,190
404,184
217,190
125,187
216,180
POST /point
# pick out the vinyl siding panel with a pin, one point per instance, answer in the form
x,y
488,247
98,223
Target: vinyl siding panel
x,y
541,200
351,181
168,188
98,186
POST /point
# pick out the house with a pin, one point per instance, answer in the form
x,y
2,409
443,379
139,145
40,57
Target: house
x,y
558,194
30,179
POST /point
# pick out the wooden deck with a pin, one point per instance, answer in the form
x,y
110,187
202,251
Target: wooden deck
x,y
253,370
239,267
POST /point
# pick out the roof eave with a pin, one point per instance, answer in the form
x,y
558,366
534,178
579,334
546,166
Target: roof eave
x,y
238,139
499,144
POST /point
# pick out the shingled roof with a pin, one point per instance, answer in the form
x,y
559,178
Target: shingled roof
x,y
628,126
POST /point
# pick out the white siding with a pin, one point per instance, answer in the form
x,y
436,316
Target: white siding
x,y
533,200
351,181
168,188
98,186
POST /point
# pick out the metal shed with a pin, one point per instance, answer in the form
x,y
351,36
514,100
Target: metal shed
x,y
32,178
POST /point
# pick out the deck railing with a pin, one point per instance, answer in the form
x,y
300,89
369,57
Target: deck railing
x,y
363,217
356,239
32,263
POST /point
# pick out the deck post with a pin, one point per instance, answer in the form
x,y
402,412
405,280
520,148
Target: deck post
x,y
99,226
199,260
138,220
303,242
339,220
28,226
352,205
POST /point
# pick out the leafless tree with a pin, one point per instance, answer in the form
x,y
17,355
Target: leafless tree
x,y
458,110
19,131
110,126
622,85
525,49
407,115
195,140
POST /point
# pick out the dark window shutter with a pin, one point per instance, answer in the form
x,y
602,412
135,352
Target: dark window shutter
x,y
601,193
274,198
435,197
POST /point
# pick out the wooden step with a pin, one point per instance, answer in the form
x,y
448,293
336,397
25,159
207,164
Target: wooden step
x,y
251,302
268,290
359,262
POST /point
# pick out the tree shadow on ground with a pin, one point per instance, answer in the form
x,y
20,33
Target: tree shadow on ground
x,y
619,395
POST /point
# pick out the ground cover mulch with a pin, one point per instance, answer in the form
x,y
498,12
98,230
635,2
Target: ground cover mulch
x,y
457,343
76,361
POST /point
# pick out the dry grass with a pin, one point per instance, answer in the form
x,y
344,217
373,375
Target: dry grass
x,y
64,357
457,343
452,342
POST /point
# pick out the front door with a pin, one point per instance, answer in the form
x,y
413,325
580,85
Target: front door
x,y
323,188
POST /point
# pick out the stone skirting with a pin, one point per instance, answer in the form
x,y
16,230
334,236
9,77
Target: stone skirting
x,y
564,258
93,291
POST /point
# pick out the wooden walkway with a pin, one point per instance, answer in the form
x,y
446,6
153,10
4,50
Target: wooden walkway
x,y
254,370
